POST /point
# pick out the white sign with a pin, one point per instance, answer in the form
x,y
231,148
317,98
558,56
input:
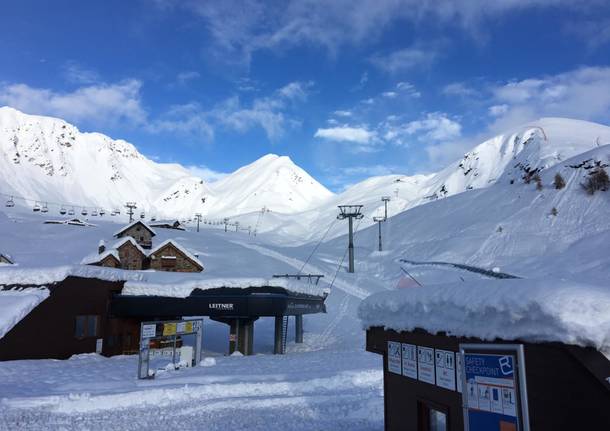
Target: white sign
x,y
394,357
445,369
181,327
98,345
458,371
409,360
425,364
149,331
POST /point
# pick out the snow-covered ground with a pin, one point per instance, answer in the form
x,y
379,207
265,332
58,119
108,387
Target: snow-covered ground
x,y
546,236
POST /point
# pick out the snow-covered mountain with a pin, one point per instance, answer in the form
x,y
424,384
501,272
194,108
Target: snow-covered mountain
x,y
49,160
505,158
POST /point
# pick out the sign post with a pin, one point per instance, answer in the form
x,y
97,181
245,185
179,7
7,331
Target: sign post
x,y
167,331
494,387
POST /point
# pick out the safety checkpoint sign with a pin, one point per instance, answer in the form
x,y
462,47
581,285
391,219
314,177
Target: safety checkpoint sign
x,y
494,388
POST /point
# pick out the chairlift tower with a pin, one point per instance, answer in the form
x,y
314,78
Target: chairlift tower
x,y
385,200
226,222
350,212
379,220
130,207
198,217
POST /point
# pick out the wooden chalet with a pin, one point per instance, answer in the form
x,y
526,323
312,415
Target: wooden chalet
x,y
170,256
139,231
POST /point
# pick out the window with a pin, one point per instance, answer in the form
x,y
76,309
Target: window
x,y
431,418
86,326
168,263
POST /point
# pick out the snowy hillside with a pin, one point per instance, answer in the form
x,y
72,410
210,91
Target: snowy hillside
x,y
49,160
510,156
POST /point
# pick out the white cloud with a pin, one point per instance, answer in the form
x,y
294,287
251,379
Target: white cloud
x,y
389,94
459,89
184,77
435,126
497,110
206,173
268,113
341,113
372,170
583,93
405,59
358,135
186,119
99,104
408,89
77,74
239,28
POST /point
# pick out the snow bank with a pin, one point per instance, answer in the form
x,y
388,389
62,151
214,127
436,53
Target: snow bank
x,y
184,288
529,310
16,304
56,274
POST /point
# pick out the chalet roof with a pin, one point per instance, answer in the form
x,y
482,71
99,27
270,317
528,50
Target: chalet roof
x,y
122,241
71,221
130,225
96,258
172,224
183,250
15,304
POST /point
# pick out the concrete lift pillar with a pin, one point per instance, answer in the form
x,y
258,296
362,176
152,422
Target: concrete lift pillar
x,y
298,328
281,330
241,334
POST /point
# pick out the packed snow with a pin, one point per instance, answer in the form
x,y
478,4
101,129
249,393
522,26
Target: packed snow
x,y
528,310
479,213
16,304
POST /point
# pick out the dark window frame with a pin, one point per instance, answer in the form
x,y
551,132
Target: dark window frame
x,y
424,408
85,324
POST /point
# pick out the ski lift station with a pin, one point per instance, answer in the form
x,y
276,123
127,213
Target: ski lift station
x,y
101,304
505,355
95,311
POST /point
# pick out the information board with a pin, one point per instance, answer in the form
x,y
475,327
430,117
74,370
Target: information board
x,y
494,383
425,364
409,360
445,369
394,357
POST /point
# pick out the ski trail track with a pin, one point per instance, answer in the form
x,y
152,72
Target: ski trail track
x,y
298,264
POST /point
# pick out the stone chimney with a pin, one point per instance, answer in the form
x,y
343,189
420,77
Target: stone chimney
x,y
101,247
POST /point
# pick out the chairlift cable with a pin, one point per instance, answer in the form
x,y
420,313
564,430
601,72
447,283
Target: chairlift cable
x,y
317,245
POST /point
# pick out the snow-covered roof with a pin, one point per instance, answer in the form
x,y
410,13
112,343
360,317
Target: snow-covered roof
x,y
124,228
184,288
528,310
183,250
96,258
16,304
122,241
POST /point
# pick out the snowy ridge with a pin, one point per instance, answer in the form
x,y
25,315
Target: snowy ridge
x,y
528,310
50,160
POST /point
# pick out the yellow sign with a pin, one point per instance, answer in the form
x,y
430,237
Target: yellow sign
x,y
188,327
169,329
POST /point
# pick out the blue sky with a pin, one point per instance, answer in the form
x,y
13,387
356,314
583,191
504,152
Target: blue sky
x,y
347,89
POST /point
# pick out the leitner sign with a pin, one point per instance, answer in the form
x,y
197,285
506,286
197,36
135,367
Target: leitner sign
x,y
494,387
